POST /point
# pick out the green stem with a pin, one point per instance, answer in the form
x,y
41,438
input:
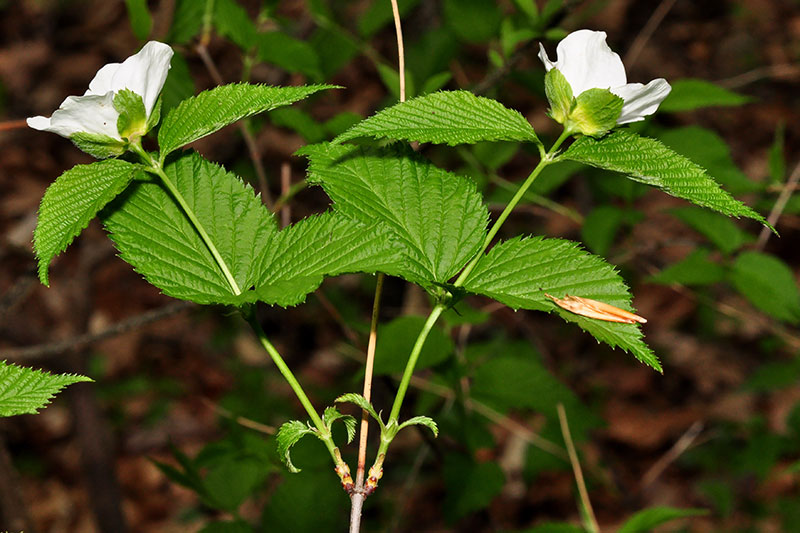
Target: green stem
x,y
293,383
155,168
408,372
544,162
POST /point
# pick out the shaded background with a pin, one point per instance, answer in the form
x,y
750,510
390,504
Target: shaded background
x,y
717,431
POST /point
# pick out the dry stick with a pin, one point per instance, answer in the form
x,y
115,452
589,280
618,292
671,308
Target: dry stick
x,y
677,449
647,32
241,420
357,498
576,469
780,205
13,124
783,70
81,341
249,140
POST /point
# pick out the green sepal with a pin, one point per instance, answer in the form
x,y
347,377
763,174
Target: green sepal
x,y
99,146
595,113
132,119
559,94
155,116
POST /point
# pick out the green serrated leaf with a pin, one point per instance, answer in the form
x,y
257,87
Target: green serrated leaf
x,y
446,117
646,520
359,400
72,201
438,219
396,340
290,54
769,284
694,269
559,94
295,260
691,94
332,414
470,485
421,421
288,435
153,234
25,390
650,162
214,109
520,271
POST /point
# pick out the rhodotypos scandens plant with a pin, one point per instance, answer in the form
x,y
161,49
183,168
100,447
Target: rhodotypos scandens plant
x,y
121,103
591,70
199,233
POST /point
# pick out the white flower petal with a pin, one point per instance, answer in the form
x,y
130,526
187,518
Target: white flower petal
x,y
641,100
587,62
81,114
548,65
101,83
145,73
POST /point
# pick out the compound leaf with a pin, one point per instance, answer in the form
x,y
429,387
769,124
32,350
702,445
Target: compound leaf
x,y
519,272
446,117
648,161
72,201
154,235
25,390
214,109
437,218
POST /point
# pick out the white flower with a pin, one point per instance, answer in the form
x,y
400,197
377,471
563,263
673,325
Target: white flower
x,y
94,112
587,62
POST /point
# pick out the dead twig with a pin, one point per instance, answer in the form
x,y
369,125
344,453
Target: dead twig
x,y
780,205
647,32
591,526
677,449
80,341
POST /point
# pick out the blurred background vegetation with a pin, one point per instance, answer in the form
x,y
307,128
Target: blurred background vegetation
x,y
175,434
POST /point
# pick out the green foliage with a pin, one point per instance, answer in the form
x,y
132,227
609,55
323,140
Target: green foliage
x,y
646,520
179,84
72,201
290,54
294,261
359,400
288,435
305,503
520,271
141,21
214,109
332,414
697,268
470,485
153,234
446,117
25,391
379,14
709,150
689,94
474,21
769,284
228,527
396,339
230,481
553,527
426,421
650,162
721,231
600,226
437,219
186,21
